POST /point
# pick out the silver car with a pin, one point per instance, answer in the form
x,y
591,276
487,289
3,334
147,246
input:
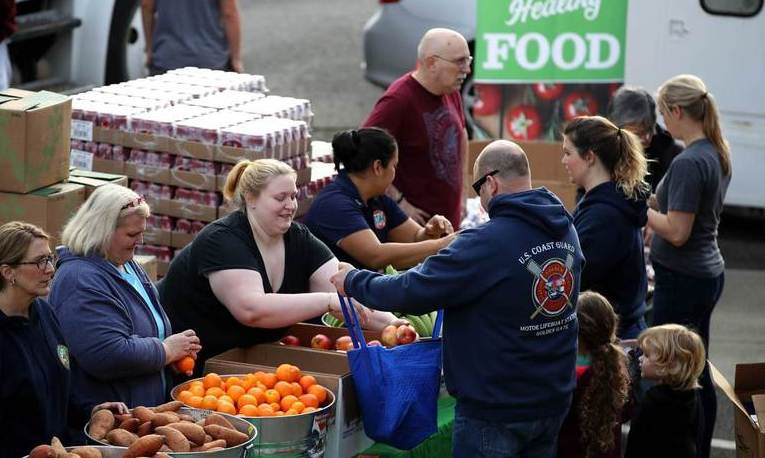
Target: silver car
x,y
392,34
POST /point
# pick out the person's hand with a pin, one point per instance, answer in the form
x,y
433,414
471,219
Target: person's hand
x,y
419,216
115,407
180,345
438,226
653,203
647,236
147,62
237,65
339,278
364,313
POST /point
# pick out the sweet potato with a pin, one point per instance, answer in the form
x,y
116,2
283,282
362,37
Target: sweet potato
x,y
208,438
71,455
41,451
143,413
171,406
57,448
101,423
161,455
215,449
174,439
144,429
130,424
88,452
231,436
145,446
185,417
191,431
164,419
121,437
208,445
215,419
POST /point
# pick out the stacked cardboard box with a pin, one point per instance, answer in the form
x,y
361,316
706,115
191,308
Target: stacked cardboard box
x,y
748,399
34,160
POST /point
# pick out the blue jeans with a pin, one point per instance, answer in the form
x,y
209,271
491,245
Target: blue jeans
x,y
473,438
687,300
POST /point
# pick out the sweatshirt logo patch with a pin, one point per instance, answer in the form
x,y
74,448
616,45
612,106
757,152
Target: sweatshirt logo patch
x,y
379,218
552,285
63,355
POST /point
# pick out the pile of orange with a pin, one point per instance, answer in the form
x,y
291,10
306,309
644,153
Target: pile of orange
x,y
260,394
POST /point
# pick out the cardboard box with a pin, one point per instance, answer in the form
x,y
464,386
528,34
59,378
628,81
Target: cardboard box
x,y
345,436
108,166
34,139
148,173
546,169
193,180
49,208
303,206
149,142
162,268
111,136
749,382
180,239
149,265
303,176
92,180
157,237
197,212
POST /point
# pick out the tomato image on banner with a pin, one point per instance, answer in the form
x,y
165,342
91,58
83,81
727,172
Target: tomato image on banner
x,y
488,100
523,122
547,91
579,104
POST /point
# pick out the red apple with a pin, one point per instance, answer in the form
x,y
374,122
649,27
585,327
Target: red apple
x,y
321,342
290,340
374,343
388,336
344,343
405,334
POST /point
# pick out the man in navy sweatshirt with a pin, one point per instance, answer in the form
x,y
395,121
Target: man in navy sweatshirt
x,y
508,289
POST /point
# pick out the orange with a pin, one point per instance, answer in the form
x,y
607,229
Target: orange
x,y
265,410
226,398
210,402
279,413
283,388
297,406
197,390
269,380
272,396
319,391
212,379
287,402
309,400
309,409
232,381
288,373
249,410
195,401
297,390
226,407
258,393
306,381
275,406
184,396
246,399
215,391
235,391
185,365
291,412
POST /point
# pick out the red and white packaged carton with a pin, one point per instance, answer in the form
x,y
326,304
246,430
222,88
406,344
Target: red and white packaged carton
x,y
197,226
225,99
252,135
206,128
117,116
183,225
188,90
104,151
118,152
77,144
162,121
232,80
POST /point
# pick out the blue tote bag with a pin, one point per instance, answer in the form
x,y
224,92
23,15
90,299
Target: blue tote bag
x,y
397,388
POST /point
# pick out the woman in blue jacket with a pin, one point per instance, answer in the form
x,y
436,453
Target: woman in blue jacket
x,y
608,163
109,311
35,392
355,218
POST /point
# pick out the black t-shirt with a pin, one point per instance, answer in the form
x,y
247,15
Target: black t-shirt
x,y
228,243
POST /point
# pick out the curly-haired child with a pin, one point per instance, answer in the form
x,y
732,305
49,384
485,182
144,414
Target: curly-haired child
x,y
668,420
592,428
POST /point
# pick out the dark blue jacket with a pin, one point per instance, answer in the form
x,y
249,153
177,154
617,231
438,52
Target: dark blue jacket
x,y
508,288
34,381
111,332
609,226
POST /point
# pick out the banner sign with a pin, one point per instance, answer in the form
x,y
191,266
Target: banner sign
x,y
522,41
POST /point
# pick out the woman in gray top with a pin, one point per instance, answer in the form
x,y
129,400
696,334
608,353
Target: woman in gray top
x,y
685,215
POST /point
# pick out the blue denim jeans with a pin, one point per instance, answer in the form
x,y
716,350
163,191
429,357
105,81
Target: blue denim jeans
x,y
474,438
688,300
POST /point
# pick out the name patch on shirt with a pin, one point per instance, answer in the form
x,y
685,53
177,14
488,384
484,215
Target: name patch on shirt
x,y
63,355
379,218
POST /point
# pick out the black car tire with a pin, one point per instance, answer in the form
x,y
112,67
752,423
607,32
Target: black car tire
x,y
119,36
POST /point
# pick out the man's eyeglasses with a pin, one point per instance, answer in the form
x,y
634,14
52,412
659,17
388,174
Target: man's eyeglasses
x,y
133,203
42,262
479,182
461,62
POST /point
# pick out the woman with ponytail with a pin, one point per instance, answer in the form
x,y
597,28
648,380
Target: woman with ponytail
x,y
608,163
355,218
685,216
593,425
249,275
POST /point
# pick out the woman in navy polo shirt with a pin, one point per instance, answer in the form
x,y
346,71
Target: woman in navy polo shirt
x,y
358,221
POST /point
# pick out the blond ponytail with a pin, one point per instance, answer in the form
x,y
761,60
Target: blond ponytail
x,y
251,177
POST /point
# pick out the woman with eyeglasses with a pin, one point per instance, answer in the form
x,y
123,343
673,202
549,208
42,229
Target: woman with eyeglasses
x,y
358,221
109,311
608,163
35,389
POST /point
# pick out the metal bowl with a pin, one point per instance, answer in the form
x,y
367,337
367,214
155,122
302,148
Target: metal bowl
x,y
302,435
240,451
106,451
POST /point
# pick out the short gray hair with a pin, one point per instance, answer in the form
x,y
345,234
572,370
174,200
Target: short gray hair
x,y
633,106
505,156
90,230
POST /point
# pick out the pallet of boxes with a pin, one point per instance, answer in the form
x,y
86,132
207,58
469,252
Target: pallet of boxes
x,y
177,135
